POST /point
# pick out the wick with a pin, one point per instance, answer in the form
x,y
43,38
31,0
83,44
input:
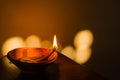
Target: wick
x,y
45,57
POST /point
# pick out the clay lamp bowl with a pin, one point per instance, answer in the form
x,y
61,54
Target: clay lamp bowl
x,y
32,59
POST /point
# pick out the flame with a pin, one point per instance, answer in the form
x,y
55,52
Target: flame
x,y
55,42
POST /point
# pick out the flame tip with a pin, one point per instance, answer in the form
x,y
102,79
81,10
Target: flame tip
x,y
55,42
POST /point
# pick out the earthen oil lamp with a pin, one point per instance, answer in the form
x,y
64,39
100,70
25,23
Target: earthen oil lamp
x,y
33,59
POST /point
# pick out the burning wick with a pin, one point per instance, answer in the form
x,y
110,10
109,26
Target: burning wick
x,y
53,50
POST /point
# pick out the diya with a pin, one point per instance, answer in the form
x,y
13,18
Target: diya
x,y
33,59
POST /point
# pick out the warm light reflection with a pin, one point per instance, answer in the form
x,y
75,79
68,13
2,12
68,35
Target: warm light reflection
x,y
9,65
33,41
55,42
12,43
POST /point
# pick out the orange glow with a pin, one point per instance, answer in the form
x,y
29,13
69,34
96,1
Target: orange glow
x,y
55,42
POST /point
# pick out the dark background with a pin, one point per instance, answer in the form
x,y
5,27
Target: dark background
x,y
65,18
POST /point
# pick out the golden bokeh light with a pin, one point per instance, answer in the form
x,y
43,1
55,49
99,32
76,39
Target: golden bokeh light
x,y
33,41
12,43
83,55
83,39
69,51
82,52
